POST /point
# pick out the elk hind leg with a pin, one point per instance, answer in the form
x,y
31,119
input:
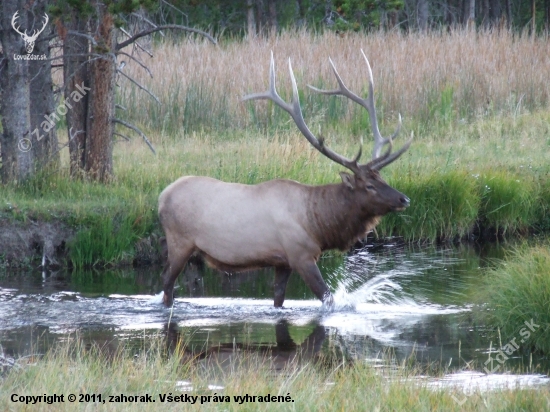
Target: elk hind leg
x,y
177,259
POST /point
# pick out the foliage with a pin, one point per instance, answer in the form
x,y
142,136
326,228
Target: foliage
x,y
518,291
230,17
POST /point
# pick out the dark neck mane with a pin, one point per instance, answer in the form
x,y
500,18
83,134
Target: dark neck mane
x,y
335,218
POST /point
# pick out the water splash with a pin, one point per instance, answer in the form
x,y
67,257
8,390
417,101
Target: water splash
x,y
158,298
358,283
380,289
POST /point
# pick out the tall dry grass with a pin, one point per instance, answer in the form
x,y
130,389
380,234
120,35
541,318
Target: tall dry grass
x,y
426,77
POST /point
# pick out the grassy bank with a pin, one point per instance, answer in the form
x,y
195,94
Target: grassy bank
x,y
72,369
499,181
514,298
477,104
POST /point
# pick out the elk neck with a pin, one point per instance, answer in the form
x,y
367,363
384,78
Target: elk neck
x,y
335,218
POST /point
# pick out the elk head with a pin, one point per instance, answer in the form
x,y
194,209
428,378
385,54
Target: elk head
x,y
365,181
29,40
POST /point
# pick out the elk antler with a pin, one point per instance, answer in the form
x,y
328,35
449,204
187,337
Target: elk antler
x,y
378,161
296,113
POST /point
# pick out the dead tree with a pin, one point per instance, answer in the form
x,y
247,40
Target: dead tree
x,y
90,69
15,144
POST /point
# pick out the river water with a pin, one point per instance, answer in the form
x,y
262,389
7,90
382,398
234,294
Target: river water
x,y
394,304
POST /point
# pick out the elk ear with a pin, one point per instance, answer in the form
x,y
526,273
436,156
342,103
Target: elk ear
x,y
348,180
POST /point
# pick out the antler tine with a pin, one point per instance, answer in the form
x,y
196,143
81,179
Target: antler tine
x,y
342,90
379,141
271,93
368,104
386,159
295,112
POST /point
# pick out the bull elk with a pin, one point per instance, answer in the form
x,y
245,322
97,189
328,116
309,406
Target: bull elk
x,y
280,223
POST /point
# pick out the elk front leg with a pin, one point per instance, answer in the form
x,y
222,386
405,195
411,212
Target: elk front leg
x,y
282,274
311,274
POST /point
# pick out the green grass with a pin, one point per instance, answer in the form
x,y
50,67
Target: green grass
x,y
315,385
508,201
445,205
492,172
518,291
109,239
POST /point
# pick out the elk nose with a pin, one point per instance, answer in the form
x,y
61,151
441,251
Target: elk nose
x,y
405,201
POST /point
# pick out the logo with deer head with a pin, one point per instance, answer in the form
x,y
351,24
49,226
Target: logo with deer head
x,y
29,40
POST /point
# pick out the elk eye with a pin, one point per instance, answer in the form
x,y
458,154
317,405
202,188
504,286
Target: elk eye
x,y
370,187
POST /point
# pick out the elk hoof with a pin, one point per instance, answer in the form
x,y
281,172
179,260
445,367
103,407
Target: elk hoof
x,y
328,301
168,300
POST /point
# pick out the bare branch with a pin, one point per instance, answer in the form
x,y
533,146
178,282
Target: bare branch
x,y
140,86
165,27
77,33
175,8
135,129
121,135
137,61
139,46
146,20
61,56
118,106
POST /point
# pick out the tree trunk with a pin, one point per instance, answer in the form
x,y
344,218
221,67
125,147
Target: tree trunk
x,y
509,13
471,21
495,12
250,20
423,15
42,104
76,72
547,17
392,19
272,13
533,17
15,140
260,21
301,13
485,13
99,143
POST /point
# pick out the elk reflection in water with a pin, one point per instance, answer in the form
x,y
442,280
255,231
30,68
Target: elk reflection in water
x,y
285,352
